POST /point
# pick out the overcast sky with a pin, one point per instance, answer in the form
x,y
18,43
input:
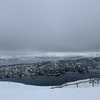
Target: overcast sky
x,y
50,25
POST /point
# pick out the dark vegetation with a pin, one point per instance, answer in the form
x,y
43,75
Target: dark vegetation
x,y
50,68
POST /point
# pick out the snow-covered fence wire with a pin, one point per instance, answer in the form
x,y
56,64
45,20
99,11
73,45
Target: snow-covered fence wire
x,y
92,81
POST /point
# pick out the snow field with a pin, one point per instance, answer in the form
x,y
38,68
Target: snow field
x,y
17,91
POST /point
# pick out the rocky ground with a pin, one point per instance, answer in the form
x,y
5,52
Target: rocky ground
x,y
49,68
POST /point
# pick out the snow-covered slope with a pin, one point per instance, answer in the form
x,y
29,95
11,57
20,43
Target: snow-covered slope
x,y
16,91
30,55
11,58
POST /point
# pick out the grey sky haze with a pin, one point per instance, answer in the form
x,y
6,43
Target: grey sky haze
x,y
50,25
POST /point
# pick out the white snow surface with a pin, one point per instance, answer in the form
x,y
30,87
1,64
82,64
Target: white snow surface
x,y
31,55
17,91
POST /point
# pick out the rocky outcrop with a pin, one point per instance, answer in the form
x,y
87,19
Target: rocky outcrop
x,y
49,68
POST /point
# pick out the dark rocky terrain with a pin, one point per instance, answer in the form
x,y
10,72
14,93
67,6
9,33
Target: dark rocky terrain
x,y
50,68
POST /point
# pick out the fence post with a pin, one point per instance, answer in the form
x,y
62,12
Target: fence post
x,y
77,84
97,80
90,78
92,82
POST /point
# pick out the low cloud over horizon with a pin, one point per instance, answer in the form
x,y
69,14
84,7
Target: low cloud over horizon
x,y
50,25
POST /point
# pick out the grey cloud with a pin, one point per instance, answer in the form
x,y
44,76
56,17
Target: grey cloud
x,y
50,25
